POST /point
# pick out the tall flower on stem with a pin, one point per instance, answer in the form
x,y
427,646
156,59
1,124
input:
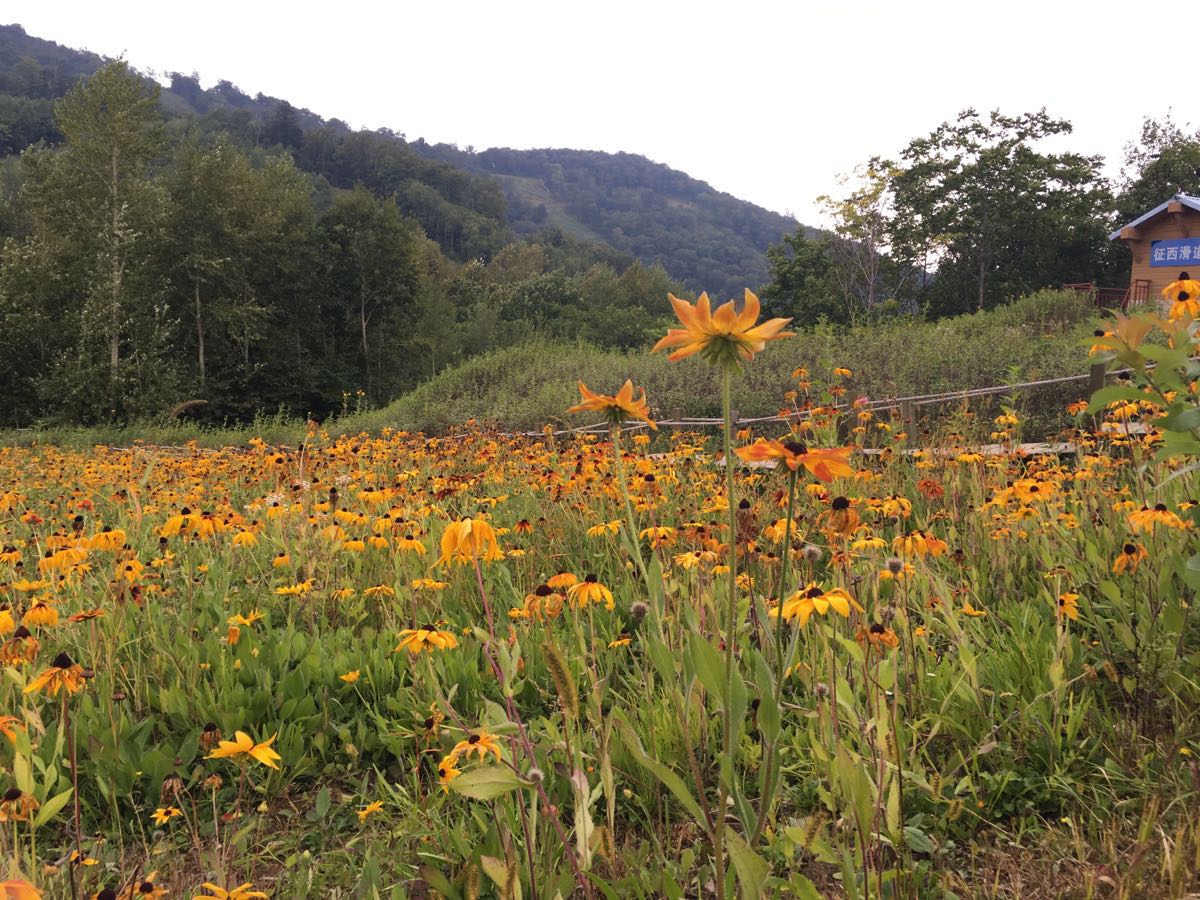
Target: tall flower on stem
x,y
616,410
726,338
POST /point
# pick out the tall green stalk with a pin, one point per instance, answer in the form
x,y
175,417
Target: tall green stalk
x,y
784,572
723,785
619,462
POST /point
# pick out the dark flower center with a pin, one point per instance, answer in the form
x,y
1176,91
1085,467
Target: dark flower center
x,y
1130,549
62,661
795,448
840,503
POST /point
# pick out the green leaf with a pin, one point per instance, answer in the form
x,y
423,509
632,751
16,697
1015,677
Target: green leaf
x,y
1191,571
752,870
669,779
488,782
22,773
802,888
769,716
917,840
51,808
708,666
438,882
323,803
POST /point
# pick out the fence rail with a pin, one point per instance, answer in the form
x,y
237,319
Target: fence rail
x,y
1095,379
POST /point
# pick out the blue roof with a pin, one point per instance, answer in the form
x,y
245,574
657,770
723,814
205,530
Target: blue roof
x,y
1185,199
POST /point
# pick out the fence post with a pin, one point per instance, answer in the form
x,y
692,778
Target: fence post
x,y
908,419
676,415
1096,377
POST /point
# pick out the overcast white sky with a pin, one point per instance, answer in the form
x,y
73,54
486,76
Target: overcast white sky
x,y
769,101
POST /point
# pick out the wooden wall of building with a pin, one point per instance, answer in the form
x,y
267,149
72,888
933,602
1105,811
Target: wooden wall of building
x,y
1182,223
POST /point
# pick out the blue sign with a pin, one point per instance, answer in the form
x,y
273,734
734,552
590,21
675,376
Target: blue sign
x,y
1175,252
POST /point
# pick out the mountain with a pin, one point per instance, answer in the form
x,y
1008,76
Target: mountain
x,y
470,203
711,240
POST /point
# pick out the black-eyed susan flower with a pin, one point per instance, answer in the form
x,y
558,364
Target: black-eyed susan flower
x,y
481,743
824,464
590,591
369,810
878,637
243,891
617,408
427,638
350,677
243,745
164,814
16,805
1129,558
63,675
812,598
468,540
1147,517
1184,294
724,337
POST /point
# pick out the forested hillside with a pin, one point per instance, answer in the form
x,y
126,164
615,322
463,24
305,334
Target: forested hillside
x,y
710,239
471,204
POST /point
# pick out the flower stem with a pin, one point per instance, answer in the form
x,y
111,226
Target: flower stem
x,y
619,462
723,786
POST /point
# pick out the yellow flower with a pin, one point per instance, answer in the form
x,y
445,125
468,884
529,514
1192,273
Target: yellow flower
x,y
604,528
811,598
350,677
1068,605
163,815
616,409
241,892
1129,558
242,745
63,675
447,771
969,610
16,805
726,336
427,638
1145,519
1184,294
481,744
590,591
467,540
369,809
19,889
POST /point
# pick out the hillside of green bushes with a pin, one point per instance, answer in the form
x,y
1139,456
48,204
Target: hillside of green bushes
x,y
529,385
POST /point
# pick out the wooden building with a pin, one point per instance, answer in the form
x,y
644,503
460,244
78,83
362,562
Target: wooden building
x,y
1164,242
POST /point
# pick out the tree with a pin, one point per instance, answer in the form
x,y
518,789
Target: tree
x,y
283,127
1164,162
802,283
371,258
83,283
997,216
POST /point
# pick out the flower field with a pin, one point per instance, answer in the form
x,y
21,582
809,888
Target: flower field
x,y
480,665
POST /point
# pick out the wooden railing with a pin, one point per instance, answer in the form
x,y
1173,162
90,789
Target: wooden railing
x,y
1113,297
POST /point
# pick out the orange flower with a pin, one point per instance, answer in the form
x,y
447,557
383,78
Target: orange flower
x,y
824,464
63,674
725,336
617,408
